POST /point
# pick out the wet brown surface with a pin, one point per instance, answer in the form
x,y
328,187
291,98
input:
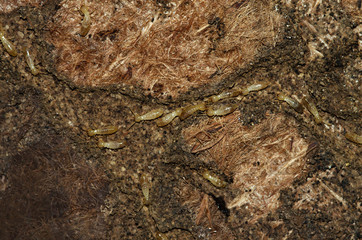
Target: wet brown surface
x,y
56,184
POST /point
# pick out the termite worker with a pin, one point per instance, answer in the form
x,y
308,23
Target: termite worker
x,y
86,22
353,137
103,131
254,87
161,236
153,114
214,179
312,109
227,94
291,101
29,60
189,110
112,144
168,117
9,47
221,110
145,187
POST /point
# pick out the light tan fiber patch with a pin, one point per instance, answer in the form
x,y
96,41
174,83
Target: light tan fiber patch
x,y
262,160
164,47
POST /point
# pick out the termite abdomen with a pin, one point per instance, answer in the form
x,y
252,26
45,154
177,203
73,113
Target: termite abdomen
x,y
189,110
9,47
214,179
86,22
103,131
292,102
112,144
221,110
153,114
163,121
30,61
312,109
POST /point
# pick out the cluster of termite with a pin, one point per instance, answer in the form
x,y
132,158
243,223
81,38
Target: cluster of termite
x,y
11,49
310,106
107,131
162,119
299,107
182,113
222,110
207,105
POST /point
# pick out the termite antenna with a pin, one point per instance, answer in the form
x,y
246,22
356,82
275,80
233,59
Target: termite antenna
x,y
136,116
130,127
131,111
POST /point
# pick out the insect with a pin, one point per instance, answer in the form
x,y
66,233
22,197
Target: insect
x,y
112,144
160,236
103,131
153,114
9,47
221,110
255,87
353,137
189,110
227,94
29,60
168,117
292,102
86,22
145,187
237,91
312,109
214,179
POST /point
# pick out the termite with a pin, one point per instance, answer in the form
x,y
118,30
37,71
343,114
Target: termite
x,y
160,236
29,60
153,114
189,110
112,144
227,94
103,131
221,110
214,179
292,102
145,187
353,137
254,87
86,22
168,117
9,47
312,109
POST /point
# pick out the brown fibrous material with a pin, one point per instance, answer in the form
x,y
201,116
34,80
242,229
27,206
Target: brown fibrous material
x,y
51,191
262,160
354,8
163,47
207,216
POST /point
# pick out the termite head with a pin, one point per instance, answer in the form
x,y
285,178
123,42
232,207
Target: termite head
x,y
145,184
213,178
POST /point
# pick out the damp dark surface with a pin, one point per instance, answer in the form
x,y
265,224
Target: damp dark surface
x,y
55,183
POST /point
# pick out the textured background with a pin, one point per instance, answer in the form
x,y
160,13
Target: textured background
x,y
287,177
